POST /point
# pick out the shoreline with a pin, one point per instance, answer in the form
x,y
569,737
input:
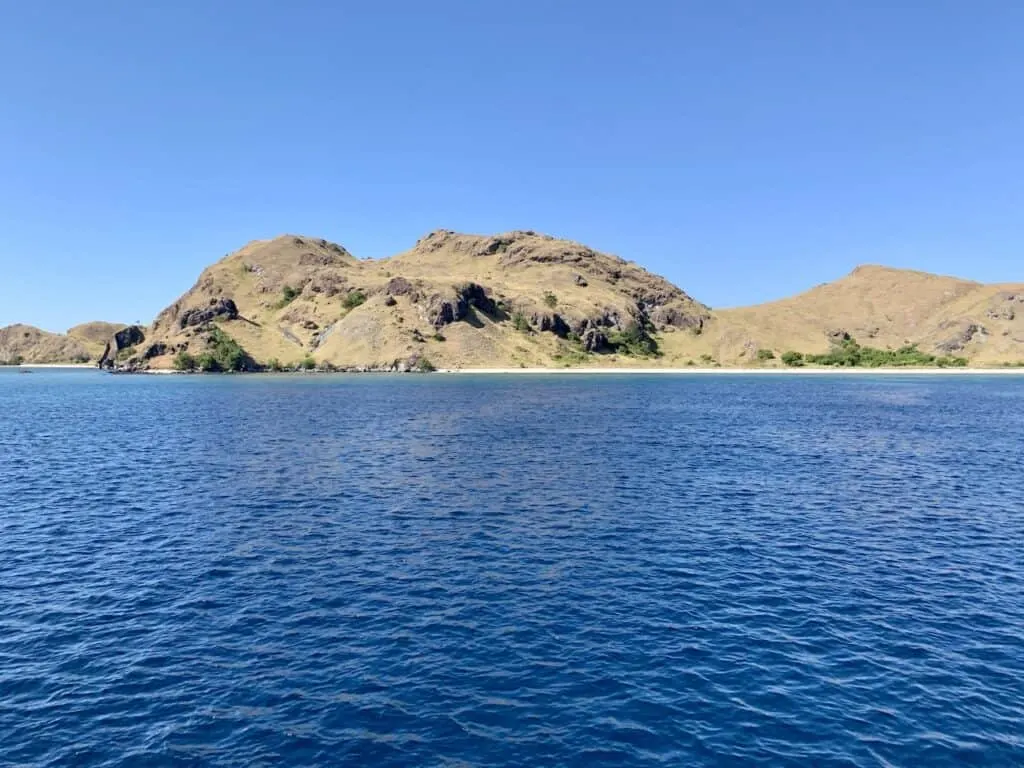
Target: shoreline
x,y
798,371
53,365
691,370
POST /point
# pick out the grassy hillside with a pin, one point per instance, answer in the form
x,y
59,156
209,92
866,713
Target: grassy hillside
x,y
81,344
888,309
519,299
24,343
522,299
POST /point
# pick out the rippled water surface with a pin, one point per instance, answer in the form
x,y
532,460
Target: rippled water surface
x,y
511,571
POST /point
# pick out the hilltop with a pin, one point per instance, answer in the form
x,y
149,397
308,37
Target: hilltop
x,y
521,299
81,344
886,308
454,300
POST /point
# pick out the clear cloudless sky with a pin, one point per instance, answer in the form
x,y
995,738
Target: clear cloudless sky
x,y
744,149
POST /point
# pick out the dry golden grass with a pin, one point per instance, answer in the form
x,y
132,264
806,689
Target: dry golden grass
x,y
296,298
33,345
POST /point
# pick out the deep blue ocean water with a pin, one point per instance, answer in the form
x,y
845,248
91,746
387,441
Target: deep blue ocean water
x,y
511,571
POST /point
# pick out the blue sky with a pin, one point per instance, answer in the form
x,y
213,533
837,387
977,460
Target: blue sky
x,y
745,150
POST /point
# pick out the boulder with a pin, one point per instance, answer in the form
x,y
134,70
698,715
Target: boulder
x,y
129,337
399,286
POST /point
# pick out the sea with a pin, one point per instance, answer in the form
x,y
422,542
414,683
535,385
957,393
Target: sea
x,y
511,570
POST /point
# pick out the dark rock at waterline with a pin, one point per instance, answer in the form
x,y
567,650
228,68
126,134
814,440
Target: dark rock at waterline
x,y
125,338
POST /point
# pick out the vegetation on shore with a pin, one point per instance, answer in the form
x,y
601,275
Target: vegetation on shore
x,y
848,353
634,340
224,354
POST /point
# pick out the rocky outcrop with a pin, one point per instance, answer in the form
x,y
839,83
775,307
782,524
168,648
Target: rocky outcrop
x,y
595,341
551,322
219,308
125,339
1005,306
155,350
444,309
671,317
965,335
129,337
399,286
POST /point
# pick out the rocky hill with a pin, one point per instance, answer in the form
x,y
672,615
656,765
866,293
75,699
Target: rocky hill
x,y
82,344
885,308
519,299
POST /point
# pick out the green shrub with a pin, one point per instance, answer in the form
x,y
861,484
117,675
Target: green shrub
x,y
16,360
425,366
273,364
520,323
227,352
223,354
550,299
438,336
849,354
207,363
765,354
308,363
353,299
706,358
288,295
183,361
633,340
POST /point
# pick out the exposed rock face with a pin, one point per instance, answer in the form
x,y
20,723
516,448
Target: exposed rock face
x,y
129,337
155,350
663,317
964,336
595,341
1005,305
545,321
124,339
444,309
218,309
